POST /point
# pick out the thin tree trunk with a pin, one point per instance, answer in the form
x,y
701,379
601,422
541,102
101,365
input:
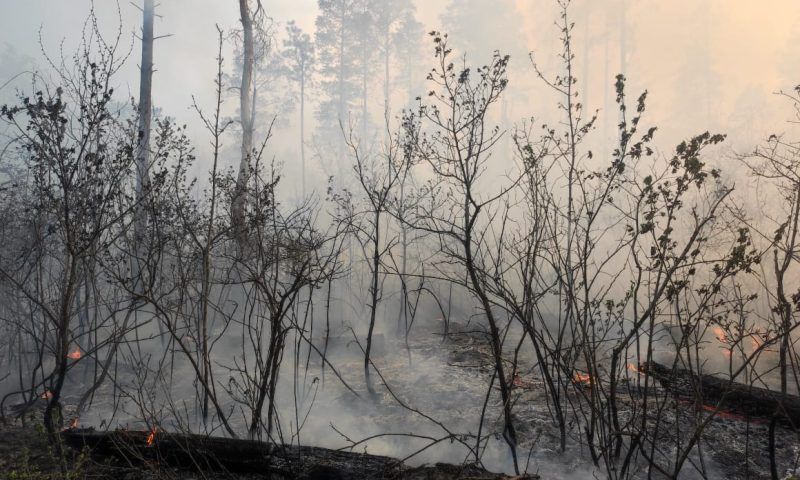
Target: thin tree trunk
x,y
246,97
785,310
142,154
364,76
402,315
478,287
303,128
62,330
386,80
376,257
340,108
364,94
509,432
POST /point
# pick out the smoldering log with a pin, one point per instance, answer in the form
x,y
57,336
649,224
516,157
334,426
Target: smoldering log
x,y
214,454
731,397
201,453
174,450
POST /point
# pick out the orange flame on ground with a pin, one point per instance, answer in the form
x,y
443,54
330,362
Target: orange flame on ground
x,y
75,354
634,368
151,437
73,423
731,415
47,395
725,414
583,378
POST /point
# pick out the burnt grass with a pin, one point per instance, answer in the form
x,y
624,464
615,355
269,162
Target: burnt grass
x,y
732,446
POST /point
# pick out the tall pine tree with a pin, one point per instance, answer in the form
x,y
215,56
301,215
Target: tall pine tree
x,y
298,56
338,67
399,36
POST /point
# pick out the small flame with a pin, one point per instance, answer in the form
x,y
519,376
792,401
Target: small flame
x,y
728,415
151,437
756,342
47,395
720,334
722,337
75,354
73,424
634,368
583,378
518,381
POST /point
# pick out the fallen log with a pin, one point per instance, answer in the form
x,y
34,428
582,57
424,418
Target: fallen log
x,y
725,395
195,452
202,454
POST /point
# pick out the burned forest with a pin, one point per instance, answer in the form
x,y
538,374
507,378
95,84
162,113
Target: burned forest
x,y
366,239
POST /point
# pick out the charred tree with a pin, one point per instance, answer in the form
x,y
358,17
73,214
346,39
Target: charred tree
x,y
246,98
454,205
142,153
377,179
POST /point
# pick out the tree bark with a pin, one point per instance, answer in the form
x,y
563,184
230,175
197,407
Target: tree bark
x,y
142,155
246,98
303,125
374,294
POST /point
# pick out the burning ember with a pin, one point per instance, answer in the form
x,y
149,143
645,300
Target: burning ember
x,y
634,368
582,379
722,337
73,424
519,382
756,342
75,354
47,395
727,415
151,438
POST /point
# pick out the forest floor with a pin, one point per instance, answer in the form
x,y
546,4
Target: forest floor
x,y
26,454
732,447
448,378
